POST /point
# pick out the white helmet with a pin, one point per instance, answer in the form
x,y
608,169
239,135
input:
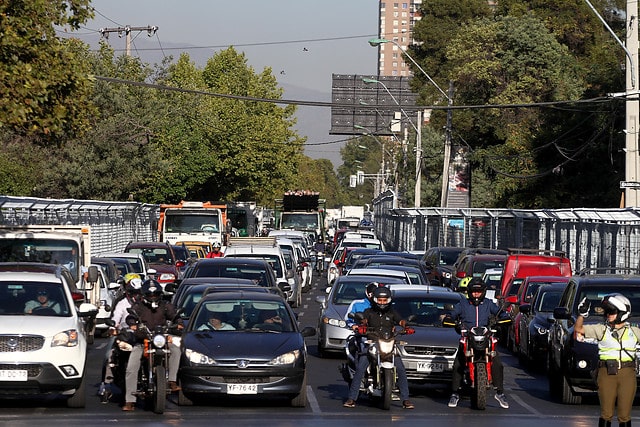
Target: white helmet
x,y
617,303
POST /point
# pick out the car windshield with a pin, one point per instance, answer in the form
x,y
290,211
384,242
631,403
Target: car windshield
x,y
346,292
594,295
425,311
255,273
33,298
244,314
273,260
547,301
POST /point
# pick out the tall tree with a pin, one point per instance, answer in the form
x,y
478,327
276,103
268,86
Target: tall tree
x,y
45,86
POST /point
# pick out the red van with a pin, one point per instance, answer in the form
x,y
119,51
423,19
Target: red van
x,y
522,263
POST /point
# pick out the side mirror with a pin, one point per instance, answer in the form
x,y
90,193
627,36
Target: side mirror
x,y
561,313
525,308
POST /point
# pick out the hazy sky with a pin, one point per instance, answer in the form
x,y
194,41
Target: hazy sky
x,y
302,41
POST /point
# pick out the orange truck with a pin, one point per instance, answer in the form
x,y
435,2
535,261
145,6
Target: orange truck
x,y
521,263
193,222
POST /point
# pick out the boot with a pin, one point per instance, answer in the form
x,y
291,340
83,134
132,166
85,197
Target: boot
x,y
625,424
604,423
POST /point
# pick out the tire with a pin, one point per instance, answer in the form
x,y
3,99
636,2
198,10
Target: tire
x,y
568,396
481,384
159,390
183,400
79,398
387,382
300,400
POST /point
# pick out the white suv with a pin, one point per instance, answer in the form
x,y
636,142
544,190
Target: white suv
x,y
43,347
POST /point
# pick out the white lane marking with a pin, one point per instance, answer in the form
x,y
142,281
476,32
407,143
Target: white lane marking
x,y
313,402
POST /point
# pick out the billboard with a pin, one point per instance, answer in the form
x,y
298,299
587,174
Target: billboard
x,y
389,94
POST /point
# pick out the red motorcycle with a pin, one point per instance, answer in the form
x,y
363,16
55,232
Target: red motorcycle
x,y
479,344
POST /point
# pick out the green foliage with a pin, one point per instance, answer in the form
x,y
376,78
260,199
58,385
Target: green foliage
x,y
44,82
527,53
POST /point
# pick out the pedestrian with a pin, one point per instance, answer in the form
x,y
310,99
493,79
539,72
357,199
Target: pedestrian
x,y
616,370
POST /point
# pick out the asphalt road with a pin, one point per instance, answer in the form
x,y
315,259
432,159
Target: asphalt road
x,y
526,390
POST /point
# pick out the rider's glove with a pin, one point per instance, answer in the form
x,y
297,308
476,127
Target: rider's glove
x,y
584,307
409,330
362,329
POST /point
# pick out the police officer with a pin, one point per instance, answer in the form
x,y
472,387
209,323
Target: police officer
x,y
617,341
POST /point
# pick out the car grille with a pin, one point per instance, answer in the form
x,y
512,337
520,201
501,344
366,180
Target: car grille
x,y
419,350
33,370
13,343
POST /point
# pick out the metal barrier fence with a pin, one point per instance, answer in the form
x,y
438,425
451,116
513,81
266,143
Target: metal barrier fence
x,y
590,238
113,224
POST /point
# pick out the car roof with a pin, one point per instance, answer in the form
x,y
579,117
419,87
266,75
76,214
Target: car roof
x,y
376,272
364,278
262,296
212,281
231,261
413,291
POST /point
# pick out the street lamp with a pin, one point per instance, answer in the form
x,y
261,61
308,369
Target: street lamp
x,y
447,143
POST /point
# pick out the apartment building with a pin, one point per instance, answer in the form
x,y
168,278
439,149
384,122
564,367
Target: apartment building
x,y
396,23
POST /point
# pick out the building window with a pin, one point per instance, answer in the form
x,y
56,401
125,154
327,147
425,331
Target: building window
x,y
405,5
395,5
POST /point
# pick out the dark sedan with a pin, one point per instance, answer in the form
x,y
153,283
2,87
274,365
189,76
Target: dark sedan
x,y
261,353
534,323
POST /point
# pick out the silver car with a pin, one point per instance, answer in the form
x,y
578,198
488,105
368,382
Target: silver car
x,y
428,355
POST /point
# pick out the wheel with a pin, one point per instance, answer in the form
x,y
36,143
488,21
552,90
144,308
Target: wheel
x,y
300,400
568,396
79,398
184,400
159,389
481,384
387,383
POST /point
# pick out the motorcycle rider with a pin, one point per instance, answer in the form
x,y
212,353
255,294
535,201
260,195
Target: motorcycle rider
x,y
360,305
380,316
617,341
132,286
215,251
475,311
152,311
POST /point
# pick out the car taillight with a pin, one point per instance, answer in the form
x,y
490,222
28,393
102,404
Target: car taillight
x,y
77,296
180,264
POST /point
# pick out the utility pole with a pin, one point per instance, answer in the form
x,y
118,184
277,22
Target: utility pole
x,y
444,195
632,155
416,196
151,30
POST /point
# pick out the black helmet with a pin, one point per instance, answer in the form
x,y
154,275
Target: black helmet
x,y
616,304
382,298
151,293
368,292
476,285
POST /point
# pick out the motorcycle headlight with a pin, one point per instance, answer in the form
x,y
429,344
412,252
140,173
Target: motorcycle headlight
x,y
334,322
386,346
159,341
541,329
446,275
286,358
68,338
199,358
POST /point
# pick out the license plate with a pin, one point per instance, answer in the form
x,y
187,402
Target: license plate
x,y
13,375
242,389
430,367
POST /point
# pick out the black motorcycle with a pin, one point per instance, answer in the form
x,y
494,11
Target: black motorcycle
x,y
379,380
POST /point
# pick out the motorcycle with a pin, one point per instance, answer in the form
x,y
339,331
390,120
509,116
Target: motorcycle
x,y
379,380
479,344
153,372
319,262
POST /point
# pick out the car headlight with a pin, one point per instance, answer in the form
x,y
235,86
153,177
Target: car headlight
x,y
446,275
541,329
199,358
167,276
286,358
67,338
334,322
